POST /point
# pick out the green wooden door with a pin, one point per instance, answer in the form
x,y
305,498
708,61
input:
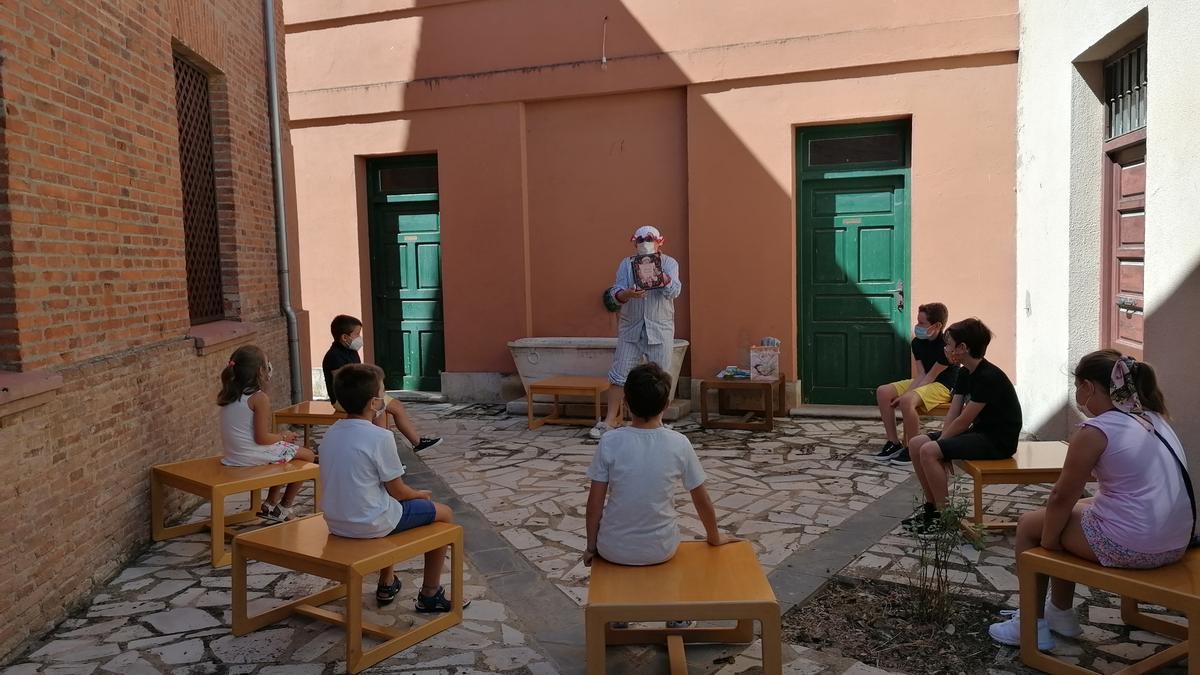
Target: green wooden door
x,y
853,275
406,283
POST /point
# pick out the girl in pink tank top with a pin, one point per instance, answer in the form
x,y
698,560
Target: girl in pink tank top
x,y
1143,514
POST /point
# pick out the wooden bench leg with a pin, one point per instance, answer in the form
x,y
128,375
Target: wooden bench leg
x,y
220,557
675,655
595,626
1133,616
354,653
772,643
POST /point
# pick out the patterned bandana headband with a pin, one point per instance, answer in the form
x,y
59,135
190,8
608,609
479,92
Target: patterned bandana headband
x,y
1122,391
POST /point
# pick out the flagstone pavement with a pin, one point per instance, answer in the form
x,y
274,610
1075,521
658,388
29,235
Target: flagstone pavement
x,y
806,494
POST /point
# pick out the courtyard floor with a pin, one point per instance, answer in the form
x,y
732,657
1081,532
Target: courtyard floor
x,y
806,494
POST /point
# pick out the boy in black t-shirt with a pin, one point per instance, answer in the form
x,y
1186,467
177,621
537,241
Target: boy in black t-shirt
x,y
928,390
347,340
984,421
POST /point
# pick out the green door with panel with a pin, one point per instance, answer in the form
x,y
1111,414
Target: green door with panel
x,y
406,272
853,267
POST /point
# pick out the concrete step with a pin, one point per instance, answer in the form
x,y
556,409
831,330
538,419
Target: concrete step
x,y
679,408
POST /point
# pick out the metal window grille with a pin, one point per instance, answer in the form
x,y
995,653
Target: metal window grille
x,y
200,225
1125,91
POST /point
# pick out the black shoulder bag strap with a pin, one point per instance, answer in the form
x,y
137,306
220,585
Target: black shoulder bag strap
x,y
1193,540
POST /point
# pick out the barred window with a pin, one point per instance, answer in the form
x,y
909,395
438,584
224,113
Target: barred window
x,y
200,224
1125,91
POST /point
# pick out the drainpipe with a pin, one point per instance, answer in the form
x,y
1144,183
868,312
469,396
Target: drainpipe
x,y
285,289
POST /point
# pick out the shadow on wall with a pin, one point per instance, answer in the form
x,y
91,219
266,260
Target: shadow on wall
x,y
9,349
1170,348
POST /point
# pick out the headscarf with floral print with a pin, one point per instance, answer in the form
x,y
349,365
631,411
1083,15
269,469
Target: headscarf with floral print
x,y
1122,390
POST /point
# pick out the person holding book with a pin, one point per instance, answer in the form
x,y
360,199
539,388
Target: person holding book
x,y
647,324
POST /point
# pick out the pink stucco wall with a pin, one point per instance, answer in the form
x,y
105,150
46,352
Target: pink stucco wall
x,y
548,158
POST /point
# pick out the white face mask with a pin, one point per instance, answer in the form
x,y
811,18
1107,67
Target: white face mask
x,y
646,248
382,407
357,343
270,370
1082,407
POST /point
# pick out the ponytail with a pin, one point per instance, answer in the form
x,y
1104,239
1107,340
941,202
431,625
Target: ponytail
x,y
240,375
1098,367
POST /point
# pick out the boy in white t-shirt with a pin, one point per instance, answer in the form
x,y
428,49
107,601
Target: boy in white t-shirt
x,y
362,493
637,469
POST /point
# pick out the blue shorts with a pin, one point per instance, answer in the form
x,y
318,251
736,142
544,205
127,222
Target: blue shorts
x,y
417,512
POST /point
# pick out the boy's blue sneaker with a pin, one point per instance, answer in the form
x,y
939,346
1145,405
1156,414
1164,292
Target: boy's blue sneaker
x,y
888,451
901,459
436,602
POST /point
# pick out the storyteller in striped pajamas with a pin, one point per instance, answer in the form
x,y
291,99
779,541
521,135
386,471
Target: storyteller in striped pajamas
x,y
647,325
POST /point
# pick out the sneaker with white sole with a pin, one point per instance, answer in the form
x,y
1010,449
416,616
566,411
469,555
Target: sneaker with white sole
x,y
1061,621
276,513
1009,633
599,430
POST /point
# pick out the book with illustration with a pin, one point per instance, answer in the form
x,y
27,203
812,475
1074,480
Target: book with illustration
x,y
648,271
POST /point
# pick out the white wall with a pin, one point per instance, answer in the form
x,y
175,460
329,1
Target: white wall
x,y
1173,232
1059,129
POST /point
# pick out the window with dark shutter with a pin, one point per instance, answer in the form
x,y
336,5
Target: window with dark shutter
x,y
1125,91
200,224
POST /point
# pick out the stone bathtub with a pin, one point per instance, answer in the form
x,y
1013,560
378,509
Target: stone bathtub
x,y
542,357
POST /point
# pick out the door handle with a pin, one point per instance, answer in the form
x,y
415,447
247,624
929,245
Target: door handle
x,y
898,295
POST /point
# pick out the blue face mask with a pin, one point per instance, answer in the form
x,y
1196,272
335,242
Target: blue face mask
x,y
921,332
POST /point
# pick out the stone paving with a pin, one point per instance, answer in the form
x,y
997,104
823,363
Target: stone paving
x,y
168,611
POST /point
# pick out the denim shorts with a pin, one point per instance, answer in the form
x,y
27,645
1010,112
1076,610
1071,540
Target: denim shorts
x,y
417,512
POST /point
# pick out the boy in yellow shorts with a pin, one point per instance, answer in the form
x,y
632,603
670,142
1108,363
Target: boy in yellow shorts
x,y
928,390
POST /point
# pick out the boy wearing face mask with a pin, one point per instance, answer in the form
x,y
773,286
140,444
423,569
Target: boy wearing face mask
x,y
928,390
647,325
347,341
363,493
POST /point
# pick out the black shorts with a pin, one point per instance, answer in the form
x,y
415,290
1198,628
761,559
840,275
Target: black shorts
x,y
973,445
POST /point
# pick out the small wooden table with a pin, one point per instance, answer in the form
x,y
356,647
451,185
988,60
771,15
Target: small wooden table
x,y
1034,462
724,386
590,387
305,545
703,583
212,480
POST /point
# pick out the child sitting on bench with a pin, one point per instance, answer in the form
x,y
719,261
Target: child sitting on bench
x,y
1143,513
347,340
362,492
636,469
246,435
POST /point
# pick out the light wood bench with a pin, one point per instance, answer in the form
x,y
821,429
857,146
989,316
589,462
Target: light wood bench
x,y
703,583
210,479
305,545
1174,587
1034,462
594,388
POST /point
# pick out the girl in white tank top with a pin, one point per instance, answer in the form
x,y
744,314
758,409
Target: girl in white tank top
x,y
246,434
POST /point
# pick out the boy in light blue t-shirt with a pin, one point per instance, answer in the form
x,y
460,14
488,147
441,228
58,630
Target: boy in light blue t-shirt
x,y
362,493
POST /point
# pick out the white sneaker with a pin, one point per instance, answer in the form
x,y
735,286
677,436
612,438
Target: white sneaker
x,y
1009,633
599,430
1061,621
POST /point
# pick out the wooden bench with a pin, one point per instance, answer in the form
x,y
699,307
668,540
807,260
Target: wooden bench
x,y
1174,587
1034,462
594,388
210,479
702,582
305,545
725,386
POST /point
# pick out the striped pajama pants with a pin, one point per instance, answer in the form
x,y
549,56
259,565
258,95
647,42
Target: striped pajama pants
x,y
629,355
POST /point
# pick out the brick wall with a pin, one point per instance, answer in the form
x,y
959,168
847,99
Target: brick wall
x,y
92,274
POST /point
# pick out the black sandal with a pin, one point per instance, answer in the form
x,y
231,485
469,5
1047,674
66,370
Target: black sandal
x,y
384,595
438,602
